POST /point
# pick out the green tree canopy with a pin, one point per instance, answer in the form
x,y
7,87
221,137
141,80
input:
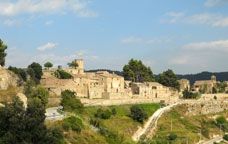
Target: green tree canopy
x,y
70,102
25,126
136,71
73,64
168,78
3,54
48,65
35,71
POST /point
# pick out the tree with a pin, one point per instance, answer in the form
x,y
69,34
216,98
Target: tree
x,y
35,71
169,79
73,64
61,74
136,71
40,93
138,114
20,72
70,102
19,125
48,65
3,54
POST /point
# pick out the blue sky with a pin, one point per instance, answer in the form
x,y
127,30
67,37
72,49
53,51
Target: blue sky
x,y
186,36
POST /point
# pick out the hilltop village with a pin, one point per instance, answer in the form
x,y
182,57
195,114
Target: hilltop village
x,y
105,85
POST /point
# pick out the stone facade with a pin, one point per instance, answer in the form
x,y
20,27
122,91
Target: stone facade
x,y
184,84
103,85
205,86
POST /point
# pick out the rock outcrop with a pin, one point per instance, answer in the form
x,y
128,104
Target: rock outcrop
x,y
7,79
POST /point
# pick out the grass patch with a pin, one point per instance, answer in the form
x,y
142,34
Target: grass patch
x,y
117,129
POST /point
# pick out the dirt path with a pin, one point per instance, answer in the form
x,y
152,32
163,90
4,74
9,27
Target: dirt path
x,y
151,124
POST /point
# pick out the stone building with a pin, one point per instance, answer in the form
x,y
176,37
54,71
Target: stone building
x,y
184,84
205,86
102,85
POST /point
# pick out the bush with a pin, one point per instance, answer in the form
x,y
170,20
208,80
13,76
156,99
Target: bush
x,y
114,111
70,102
72,123
172,136
61,74
103,114
189,95
138,114
110,136
225,137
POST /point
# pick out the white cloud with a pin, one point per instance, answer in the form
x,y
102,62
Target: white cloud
x,y
140,40
213,3
47,46
11,22
201,56
214,20
12,8
220,45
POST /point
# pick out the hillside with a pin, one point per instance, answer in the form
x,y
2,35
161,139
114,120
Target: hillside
x,y
221,76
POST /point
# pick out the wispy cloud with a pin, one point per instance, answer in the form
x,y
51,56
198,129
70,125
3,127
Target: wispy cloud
x,y
47,46
214,20
213,3
201,56
141,40
12,8
220,45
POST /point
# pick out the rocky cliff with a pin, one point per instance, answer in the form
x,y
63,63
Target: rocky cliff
x,y
7,79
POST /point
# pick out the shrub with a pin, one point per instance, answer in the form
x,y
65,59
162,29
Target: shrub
x,y
72,123
114,111
138,114
172,136
225,137
110,136
61,74
70,102
189,95
103,114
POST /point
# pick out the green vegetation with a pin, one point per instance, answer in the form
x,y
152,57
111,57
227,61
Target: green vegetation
x,y
96,128
225,137
70,102
20,125
169,79
185,128
103,114
138,113
136,71
48,65
61,74
73,64
72,123
190,95
20,72
35,72
3,54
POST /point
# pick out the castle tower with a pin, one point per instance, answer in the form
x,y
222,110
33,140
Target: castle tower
x,y
80,67
213,78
